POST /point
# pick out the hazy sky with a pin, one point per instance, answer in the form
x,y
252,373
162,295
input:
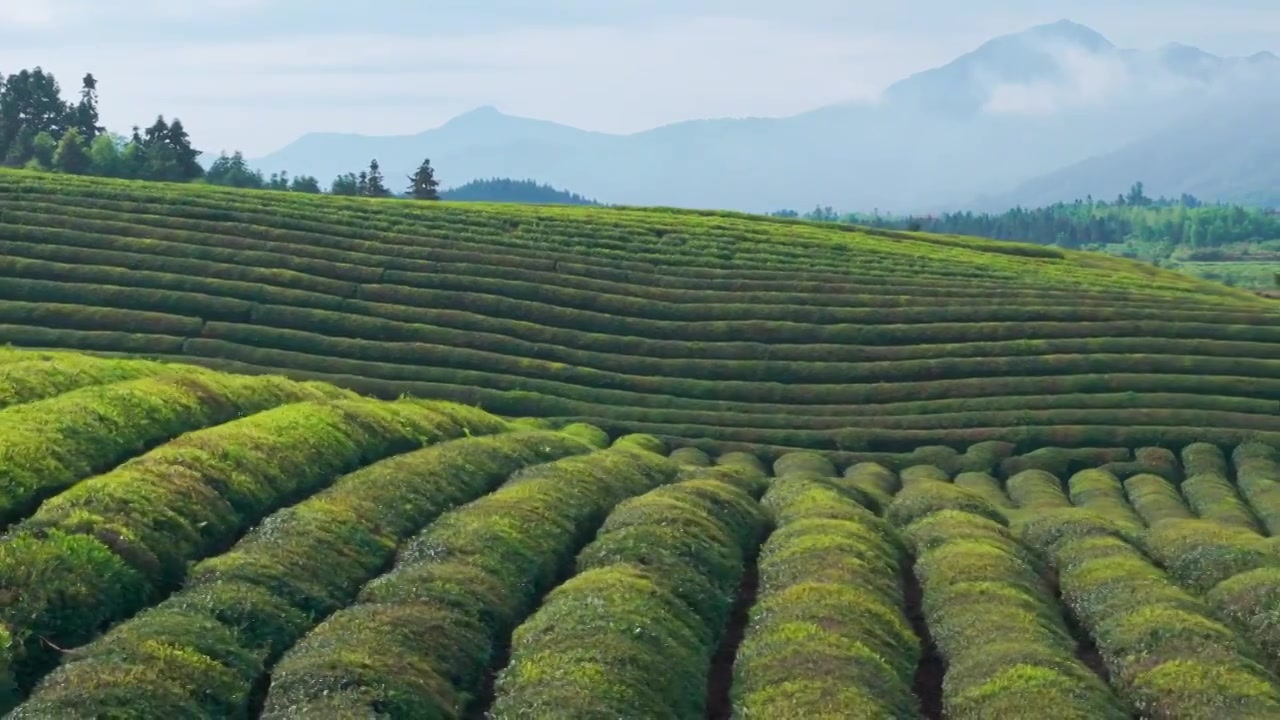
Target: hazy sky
x,y
255,74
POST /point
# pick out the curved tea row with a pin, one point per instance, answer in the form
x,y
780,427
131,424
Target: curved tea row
x,y
260,547
689,326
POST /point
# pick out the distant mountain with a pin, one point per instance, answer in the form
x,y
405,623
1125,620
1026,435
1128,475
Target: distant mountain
x,y
514,191
1228,153
965,86
1016,109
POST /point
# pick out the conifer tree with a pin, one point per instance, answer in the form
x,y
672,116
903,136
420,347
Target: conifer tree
x,y
423,184
376,186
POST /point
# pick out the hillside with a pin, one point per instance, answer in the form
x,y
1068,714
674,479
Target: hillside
x,y
183,543
696,327
1046,478
1233,244
1228,152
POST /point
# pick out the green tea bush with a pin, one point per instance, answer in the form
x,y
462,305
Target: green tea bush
x,y
634,632
827,636
419,639
260,597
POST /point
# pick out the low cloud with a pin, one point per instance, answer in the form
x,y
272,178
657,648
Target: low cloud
x,y
1086,79
46,15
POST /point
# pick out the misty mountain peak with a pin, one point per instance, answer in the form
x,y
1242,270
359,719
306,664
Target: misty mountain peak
x,y
1069,32
1032,57
484,113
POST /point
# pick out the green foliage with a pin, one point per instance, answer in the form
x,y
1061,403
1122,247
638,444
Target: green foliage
x,y
52,444
922,499
100,550
633,633
8,688
589,434
1199,554
690,457
643,441
1007,649
1209,492
741,459
513,191
1102,492
1257,471
421,636
803,463
1037,490
1166,654
43,149
300,565
72,155
1156,499
827,636
988,487
28,377
423,184
635,320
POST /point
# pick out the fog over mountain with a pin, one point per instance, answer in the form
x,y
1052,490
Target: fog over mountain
x,y
1051,113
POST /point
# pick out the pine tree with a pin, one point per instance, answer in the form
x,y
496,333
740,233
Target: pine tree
x,y
423,184
362,183
376,186
177,139
84,116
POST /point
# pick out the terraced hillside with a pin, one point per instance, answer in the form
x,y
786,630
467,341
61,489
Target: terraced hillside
x,y
722,331
183,543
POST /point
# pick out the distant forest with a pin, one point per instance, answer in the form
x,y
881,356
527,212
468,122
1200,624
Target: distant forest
x,y
519,191
1183,232
1185,222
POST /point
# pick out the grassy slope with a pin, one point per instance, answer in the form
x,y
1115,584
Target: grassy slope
x,y
696,326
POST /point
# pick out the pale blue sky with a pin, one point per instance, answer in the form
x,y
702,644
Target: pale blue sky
x,y
254,74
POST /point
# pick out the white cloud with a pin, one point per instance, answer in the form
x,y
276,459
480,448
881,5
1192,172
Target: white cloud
x,y
28,15
52,14
1087,79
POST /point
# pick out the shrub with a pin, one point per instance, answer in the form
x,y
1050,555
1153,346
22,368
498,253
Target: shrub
x,y
827,635
243,608
420,638
52,444
668,563
102,550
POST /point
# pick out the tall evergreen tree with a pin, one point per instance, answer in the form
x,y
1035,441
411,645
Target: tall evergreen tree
x,y
423,184
362,183
180,142
376,185
85,114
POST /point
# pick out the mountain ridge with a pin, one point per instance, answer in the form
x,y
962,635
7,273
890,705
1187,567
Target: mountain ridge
x,y
929,141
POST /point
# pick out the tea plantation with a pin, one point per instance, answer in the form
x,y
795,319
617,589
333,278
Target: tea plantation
x,y
272,455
